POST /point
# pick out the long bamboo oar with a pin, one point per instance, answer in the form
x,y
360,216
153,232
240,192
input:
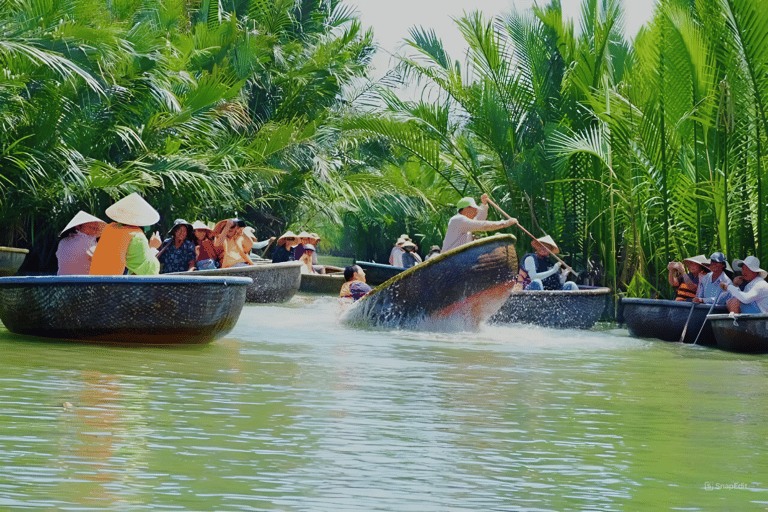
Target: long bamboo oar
x,y
264,252
565,265
685,328
705,318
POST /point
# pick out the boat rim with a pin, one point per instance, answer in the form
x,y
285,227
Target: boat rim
x,y
158,279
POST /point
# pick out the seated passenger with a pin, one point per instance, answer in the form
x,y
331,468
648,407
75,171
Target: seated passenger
x,y
306,259
206,255
233,245
754,298
355,286
709,284
539,273
78,241
396,254
123,244
285,248
433,251
177,254
410,257
299,249
684,283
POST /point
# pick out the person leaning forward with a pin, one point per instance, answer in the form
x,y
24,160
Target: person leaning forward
x,y
123,244
470,217
539,273
754,298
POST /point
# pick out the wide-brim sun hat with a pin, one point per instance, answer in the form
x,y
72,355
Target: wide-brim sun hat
x,y
409,244
287,234
434,248
133,210
549,242
81,218
467,202
180,222
219,227
753,263
314,236
699,260
198,224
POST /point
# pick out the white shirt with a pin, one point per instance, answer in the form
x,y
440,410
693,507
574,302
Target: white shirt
x,y
460,227
396,257
756,292
529,265
708,290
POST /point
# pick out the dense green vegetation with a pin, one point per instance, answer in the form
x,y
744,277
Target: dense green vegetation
x,y
629,154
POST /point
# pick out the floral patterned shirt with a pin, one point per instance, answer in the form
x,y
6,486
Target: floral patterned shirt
x,y
177,260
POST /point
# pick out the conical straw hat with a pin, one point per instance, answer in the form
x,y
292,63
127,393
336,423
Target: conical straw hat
x,y
548,241
133,210
201,225
81,218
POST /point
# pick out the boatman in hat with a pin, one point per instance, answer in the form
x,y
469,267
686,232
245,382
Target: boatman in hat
x,y
538,273
709,284
78,241
754,298
470,218
123,243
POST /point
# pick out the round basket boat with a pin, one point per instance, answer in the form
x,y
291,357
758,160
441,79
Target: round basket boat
x,y
11,259
555,308
741,333
134,310
272,282
665,320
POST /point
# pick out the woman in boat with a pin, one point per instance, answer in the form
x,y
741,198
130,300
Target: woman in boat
x,y
433,251
470,218
206,255
177,254
298,251
410,256
396,254
538,273
684,283
77,242
123,244
709,290
306,259
754,298
285,248
233,245
355,286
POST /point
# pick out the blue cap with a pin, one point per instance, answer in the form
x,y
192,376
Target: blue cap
x,y
717,257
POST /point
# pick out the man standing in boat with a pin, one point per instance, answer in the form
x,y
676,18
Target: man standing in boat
x,y
470,218
539,273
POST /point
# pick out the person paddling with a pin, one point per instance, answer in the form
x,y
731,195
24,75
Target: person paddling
x,y
539,273
123,243
709,284
470,218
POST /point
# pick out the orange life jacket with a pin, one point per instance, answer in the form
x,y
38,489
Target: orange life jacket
x,y
109,256
686,291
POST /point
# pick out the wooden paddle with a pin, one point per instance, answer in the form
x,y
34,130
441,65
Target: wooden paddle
x,y
264,252
705,319
565,265
685,328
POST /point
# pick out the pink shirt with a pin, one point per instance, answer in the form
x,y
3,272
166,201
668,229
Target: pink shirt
x,y
74,254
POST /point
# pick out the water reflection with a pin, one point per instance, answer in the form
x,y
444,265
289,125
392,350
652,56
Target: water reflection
x,y
294,411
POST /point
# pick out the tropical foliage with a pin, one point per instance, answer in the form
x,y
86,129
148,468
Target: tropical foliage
x,y
629,155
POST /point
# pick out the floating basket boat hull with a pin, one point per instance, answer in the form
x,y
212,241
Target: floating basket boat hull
x,y
272,282
555,308
741,333
665,320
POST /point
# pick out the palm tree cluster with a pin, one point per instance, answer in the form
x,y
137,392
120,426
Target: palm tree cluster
x,y
630,154
207,108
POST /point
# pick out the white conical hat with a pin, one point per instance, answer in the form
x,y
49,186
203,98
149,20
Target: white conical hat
x,y
547,240
198,224
81,218
133,210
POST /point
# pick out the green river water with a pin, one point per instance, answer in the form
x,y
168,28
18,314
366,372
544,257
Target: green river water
x,y
293,411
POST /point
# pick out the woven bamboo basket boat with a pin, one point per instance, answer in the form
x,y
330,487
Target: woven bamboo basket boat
x,y
272,282
378,273
128,310
456,290
329,283
741,333
665,320
555,308
11,259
